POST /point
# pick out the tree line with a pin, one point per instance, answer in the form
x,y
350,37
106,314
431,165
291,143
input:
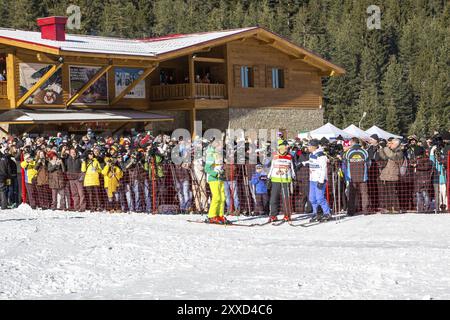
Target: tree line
x,y
399,74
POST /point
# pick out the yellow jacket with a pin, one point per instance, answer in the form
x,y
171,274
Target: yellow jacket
x,y
92,170
112,177
30,171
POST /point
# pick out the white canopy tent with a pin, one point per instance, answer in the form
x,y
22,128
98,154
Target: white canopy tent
x,y
354,131
328,131
381,133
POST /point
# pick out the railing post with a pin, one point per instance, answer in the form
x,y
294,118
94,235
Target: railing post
x,y
24,188
153,186
191,76
448,181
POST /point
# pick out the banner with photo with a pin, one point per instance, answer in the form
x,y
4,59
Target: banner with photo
x,y
124,77
50,92
97,92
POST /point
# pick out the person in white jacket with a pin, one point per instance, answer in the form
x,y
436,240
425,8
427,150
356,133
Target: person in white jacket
x,y
317,180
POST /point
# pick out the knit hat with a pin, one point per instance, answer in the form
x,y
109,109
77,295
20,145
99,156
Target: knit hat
x,y
313,143
375,137
51,154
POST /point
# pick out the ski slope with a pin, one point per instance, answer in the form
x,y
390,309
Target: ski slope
x,y
60,255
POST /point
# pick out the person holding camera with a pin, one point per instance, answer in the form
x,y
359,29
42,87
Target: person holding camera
x,y
133,180
281,174
112,175
56,181
5,177
75,178
29,166
155,172
43,190
91,168
390,174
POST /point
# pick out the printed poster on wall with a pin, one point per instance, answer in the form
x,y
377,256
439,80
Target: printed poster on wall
x,y
97,93
50,92
124,77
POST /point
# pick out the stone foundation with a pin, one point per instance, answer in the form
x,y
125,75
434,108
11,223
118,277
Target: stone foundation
x,y
292,120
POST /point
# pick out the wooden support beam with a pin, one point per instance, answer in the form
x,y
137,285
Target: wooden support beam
x,y
42,57
191,76
192,118
38,84
327,73
207,49
120,127
97,76
29,129
133,84
297,57
212,60
310,61
4,131
11,61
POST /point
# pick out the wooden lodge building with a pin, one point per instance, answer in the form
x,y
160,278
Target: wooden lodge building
x,y
242,78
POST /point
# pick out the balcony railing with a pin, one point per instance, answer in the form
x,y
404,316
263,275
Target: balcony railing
x,y
3,90
182,91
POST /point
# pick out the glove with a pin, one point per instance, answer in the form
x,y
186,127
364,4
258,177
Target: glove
x,y
320,185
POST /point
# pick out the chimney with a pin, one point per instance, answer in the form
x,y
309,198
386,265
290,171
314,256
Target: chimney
x,y
53,28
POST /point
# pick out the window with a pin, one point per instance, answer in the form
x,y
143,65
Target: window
x,y
247,77
277,78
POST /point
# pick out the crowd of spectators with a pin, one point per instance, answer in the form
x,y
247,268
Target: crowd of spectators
x,y
135,172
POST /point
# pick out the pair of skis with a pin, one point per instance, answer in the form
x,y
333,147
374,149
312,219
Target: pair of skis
x,y
336,217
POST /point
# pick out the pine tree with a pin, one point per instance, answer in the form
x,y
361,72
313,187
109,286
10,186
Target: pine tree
x,y
22,15
4,13
397,95
237,15
369,102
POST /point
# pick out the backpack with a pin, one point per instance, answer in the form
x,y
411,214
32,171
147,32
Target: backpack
x,y
404,167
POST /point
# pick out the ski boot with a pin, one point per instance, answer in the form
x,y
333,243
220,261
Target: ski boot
x,y
286,218
325,218
314,218
222,220
273,219
211,220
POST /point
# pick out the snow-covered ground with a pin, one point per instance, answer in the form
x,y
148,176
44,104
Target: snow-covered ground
x,y
57,255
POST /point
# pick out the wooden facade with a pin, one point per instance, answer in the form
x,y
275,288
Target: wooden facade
x,y
222,59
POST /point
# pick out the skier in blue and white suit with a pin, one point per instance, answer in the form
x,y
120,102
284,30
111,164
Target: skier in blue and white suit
x,y
318,163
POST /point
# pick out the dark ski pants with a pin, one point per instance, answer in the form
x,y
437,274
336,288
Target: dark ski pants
x,y
279,188
262,203
3,196
77,192
357,191
389,195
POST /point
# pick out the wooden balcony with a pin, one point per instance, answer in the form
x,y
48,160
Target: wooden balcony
x,y
182,91
3,90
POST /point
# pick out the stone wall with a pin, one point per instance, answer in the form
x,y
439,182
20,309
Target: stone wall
x,y
181,120
216,119
293,120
